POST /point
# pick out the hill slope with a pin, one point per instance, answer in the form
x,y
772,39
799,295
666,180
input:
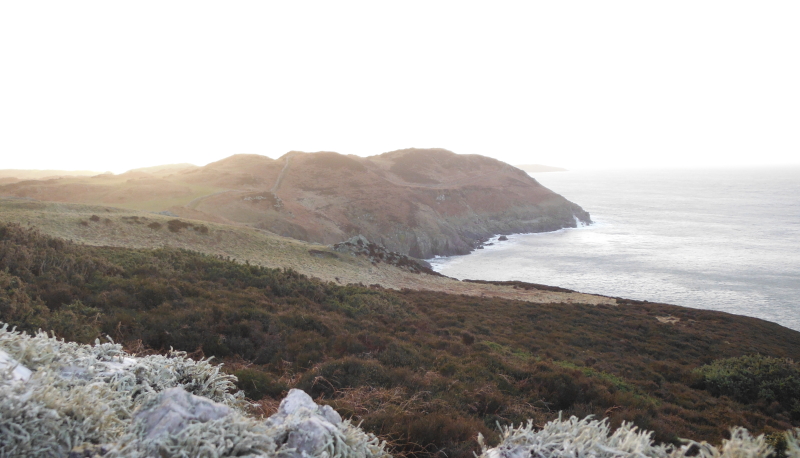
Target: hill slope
x,y
420,202
109,226
539,168
424,370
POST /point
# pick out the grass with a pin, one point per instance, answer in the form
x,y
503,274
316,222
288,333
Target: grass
x,y
160,204
245,244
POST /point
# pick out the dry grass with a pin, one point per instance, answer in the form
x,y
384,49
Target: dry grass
x,y
116,227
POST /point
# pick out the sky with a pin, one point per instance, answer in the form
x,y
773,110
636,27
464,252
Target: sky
x,y
103,85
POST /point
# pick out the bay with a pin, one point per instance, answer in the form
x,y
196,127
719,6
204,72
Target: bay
x,y
717,239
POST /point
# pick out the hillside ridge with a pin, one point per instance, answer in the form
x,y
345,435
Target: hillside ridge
x,y
417,202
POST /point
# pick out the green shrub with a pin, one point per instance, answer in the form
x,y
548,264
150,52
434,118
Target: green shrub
x,y
77,322
751,378
399,355
175,225
345,373
257,385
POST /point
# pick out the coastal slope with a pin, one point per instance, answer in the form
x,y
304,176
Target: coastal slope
x,y
418,202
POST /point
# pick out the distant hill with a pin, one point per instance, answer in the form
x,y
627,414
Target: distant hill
x,y
165,169
538,168
7,175
420,202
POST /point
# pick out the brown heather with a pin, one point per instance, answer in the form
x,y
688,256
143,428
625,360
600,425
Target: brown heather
x,y
425,370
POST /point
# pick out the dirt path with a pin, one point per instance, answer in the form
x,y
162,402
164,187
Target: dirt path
x,y
281,175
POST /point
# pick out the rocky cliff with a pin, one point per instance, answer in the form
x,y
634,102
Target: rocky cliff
x,y
417,202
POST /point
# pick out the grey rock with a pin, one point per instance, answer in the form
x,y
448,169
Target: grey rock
x,y
304,426
376,253
331,415
16,370
310,436
174,409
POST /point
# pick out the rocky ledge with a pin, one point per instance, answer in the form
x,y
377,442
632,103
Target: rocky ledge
x,y
360,246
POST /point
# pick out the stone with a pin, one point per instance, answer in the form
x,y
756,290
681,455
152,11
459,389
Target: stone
x,y
18,371
174,409
304,426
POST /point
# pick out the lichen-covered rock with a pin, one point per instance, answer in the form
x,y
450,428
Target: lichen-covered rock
x,y
593,438
304,426
62,399
304,429
173,409
11,368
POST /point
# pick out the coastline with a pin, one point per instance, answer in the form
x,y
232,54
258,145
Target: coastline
x,y
493,244
707,239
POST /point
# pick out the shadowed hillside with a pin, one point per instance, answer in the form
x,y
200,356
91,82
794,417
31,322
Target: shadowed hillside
x,y
421,202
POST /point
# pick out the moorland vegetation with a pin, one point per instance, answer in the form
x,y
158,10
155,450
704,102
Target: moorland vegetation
x,y
427,371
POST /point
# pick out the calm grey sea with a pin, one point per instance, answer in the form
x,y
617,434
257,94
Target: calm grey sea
x,y
718,239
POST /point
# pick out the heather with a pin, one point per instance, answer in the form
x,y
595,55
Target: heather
x,y
425,371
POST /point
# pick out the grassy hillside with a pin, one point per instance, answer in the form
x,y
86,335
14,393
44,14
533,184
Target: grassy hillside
x,y
418,202
427,370
108,226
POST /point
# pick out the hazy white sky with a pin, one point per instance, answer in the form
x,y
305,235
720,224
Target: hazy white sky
x,y
108,85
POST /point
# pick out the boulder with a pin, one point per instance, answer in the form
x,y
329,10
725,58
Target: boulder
x,y
304,428
174,409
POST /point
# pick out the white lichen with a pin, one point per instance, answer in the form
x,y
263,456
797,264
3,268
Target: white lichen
x,y
793,443
576,438
57,397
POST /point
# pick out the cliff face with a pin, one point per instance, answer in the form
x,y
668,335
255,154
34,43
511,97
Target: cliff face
x,y
419,202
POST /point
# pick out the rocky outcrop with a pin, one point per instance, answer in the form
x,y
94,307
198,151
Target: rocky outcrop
x,y
174,409
360,246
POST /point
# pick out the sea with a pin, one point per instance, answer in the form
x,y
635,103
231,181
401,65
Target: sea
x,y
716,239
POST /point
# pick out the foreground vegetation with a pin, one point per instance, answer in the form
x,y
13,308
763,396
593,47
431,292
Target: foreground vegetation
x,y
427,371
61,399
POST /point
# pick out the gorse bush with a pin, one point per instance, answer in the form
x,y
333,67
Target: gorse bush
x,y
753,378
403,363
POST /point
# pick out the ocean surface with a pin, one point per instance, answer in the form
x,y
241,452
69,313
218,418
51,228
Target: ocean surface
x,y
717,239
